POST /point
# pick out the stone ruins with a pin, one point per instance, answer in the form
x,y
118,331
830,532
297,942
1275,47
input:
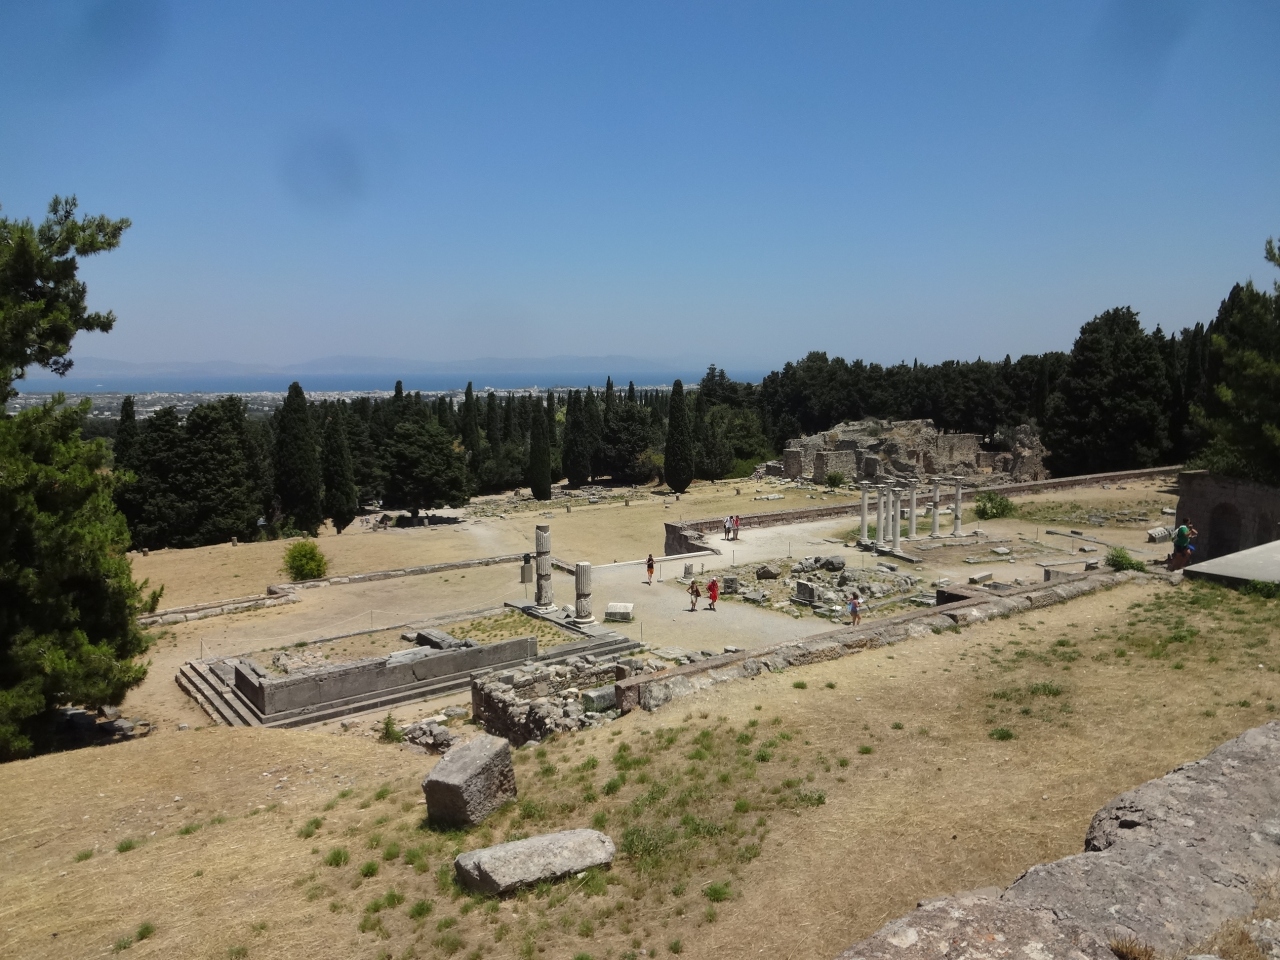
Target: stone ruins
x,y
873,448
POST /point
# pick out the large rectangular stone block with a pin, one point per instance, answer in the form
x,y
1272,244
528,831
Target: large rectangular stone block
x,y
470,782
509,866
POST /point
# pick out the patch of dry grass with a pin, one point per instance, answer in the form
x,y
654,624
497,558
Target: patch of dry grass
x,y
735,832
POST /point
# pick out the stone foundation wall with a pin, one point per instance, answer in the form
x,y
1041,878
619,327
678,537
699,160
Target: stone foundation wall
x,y
845,462
532,702
323,685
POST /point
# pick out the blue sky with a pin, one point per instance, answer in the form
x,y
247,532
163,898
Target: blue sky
x,y
737,182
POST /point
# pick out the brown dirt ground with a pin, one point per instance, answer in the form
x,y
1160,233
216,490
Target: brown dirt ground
x,y
937,806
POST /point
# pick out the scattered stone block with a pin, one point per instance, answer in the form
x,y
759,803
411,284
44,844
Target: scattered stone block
x,y
1091,564
729,584
1159,535
619,612
769,571
981,577
805,591
521,863
833,564
1088,549
598,700
1000,551
470,783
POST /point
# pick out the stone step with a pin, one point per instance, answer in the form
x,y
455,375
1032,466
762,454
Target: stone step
x,y
233,698
210,699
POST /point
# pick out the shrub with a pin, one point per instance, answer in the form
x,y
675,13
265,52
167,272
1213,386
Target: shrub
x,y
800,685
1002,733
304,561
145,931
337,857
83,855
308,829
369,869
124,846
716,892
1118,558
420,909
1260,588
993,506
390,733
866,749
835,479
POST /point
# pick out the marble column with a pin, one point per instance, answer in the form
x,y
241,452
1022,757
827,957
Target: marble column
x,y
911,510
582,590
544,597
863,485
897,519
958,508
882,515
937,498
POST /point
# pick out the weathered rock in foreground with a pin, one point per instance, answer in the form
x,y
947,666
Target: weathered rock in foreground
x,y
471,782
1165,864
521,863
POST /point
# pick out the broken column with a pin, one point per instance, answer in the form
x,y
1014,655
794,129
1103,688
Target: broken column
x,y
937,500
897,519
911,514
864,512
582,589
957,509
544,597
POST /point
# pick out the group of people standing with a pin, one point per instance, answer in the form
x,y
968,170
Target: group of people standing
x,y
731,527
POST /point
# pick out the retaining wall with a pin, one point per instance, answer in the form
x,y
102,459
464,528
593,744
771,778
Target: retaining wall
x,y
284,588
650,691
1165,864
314,688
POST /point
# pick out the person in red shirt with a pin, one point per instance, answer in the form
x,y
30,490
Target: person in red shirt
x,y
713,593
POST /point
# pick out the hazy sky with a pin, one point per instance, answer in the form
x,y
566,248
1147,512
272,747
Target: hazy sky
x,y
733,182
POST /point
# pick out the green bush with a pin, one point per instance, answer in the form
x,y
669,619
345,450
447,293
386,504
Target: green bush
x,y
1002,733
304,561
1260,588
390,733
1118,558
835,479
993,506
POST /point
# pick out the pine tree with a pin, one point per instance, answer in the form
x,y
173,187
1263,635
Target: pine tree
x,y
155,503
539,475
426,470
340,496
297,465
1110,411
678,460
126,443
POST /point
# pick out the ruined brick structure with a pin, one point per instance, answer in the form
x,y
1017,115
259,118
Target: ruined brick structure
x,y
909,448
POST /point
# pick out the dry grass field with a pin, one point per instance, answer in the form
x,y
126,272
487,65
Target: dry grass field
x,y
786,816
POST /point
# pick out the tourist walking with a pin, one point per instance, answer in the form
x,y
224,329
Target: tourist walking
x,y
728,526
713,593
648,566
737,523
855,608
694,594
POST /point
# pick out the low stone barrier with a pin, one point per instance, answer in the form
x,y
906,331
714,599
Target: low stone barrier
x,y
215,608
962,608
1165,864
285,588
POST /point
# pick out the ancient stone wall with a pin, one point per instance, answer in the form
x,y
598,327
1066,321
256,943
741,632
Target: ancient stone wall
x,y
534,701
1229,514
315,687
1165,864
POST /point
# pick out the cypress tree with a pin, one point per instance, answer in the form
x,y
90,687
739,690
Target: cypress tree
x,y
576,456
341,500
492,420
471,425
298,477
631,391
678,464
539,475
216,477
126,444
593,432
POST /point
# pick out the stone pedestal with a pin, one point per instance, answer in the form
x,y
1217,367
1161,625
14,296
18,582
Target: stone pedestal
x,y
582,590
544,596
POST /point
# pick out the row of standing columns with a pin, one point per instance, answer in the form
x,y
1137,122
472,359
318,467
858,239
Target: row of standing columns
x,y
889,511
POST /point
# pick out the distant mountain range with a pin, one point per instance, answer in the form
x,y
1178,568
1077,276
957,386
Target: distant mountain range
x,y
91,374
